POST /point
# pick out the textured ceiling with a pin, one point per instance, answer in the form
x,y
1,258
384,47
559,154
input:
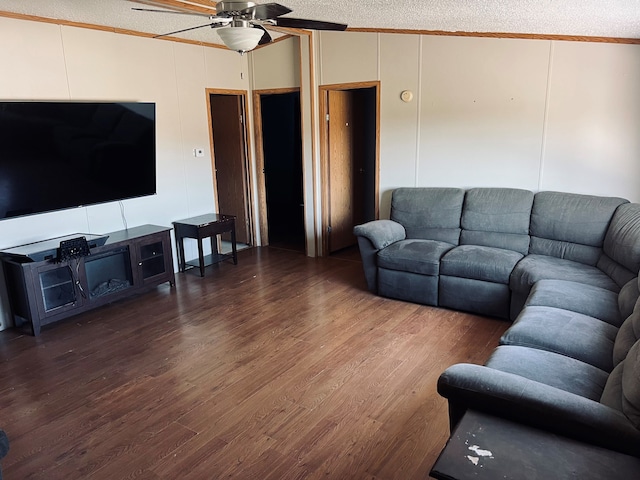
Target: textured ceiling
x,y
598,18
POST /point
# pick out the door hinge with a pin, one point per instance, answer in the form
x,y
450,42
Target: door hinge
x,y
327,117
329,229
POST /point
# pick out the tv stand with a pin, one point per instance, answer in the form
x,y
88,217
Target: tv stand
x,y
47,291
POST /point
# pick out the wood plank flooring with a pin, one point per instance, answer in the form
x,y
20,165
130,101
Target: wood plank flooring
x,y
282,367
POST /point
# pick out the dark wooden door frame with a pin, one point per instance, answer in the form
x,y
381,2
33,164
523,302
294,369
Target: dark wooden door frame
x,y
261,183
243,94
324,152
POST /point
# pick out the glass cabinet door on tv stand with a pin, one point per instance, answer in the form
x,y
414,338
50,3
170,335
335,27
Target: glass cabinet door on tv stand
x,y
59,288
152,259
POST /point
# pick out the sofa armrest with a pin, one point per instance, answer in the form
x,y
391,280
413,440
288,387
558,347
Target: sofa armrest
x,y
381,233
520,399
372,237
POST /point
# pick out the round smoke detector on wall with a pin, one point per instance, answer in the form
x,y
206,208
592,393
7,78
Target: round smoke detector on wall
x,y
406,96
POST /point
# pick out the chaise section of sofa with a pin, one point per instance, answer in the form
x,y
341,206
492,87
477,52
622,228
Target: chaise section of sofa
x,y
563,371
556,324
590,300
568,409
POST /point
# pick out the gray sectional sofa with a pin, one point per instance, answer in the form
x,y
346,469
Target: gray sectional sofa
x,y
564,267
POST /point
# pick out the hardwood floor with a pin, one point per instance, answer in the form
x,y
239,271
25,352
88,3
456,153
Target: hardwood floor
x,y
282,367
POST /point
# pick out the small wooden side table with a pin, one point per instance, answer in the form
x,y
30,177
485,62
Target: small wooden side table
x,y
205,226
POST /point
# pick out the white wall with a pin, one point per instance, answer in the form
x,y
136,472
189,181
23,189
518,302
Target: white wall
x,y
277,65
399,121
43,61
348,57
592,143
481,111
534,114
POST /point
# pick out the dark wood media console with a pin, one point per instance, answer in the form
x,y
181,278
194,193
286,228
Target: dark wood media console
x,y
47,291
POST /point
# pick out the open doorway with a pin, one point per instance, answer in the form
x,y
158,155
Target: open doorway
x,y
229,139
349,161
280,159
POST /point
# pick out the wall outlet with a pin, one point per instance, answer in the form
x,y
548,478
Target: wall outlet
x,y
198,152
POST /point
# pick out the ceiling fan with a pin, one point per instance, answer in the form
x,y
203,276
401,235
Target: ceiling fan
x,y
242,24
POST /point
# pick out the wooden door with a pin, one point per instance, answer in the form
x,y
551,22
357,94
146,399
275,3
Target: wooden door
x,y
341,169
230,160
349,160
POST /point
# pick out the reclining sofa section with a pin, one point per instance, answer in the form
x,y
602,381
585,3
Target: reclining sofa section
x,y
564,266
483,249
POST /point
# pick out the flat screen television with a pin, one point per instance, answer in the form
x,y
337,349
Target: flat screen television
x,y
60,155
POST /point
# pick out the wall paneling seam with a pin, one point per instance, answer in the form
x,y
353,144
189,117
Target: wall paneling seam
x,y
545,120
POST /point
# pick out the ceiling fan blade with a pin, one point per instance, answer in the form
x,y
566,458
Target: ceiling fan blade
x,y
212,25
266,11
308,24
266,38
169,11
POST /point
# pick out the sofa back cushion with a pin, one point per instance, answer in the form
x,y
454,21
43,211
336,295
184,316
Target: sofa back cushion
x,y
571,226
621,250
429,213
628,334
497,217
622,390
627,297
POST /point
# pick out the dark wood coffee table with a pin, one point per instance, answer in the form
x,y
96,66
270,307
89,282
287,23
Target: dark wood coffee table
x,y
484,447
209,225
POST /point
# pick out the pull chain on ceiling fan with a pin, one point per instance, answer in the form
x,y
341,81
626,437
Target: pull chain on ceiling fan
x,y
242,26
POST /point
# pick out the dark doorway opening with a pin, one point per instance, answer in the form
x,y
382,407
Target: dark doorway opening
x,y
282,150
365,106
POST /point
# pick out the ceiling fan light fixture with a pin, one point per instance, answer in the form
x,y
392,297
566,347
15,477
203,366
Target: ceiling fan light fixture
x,y
240,39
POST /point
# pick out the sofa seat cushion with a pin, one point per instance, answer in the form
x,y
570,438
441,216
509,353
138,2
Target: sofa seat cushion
x,y
553,369
414,255
622,390
565,332
480,263
533,268
589,300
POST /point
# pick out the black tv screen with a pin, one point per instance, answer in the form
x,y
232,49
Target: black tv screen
x,y
59,155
